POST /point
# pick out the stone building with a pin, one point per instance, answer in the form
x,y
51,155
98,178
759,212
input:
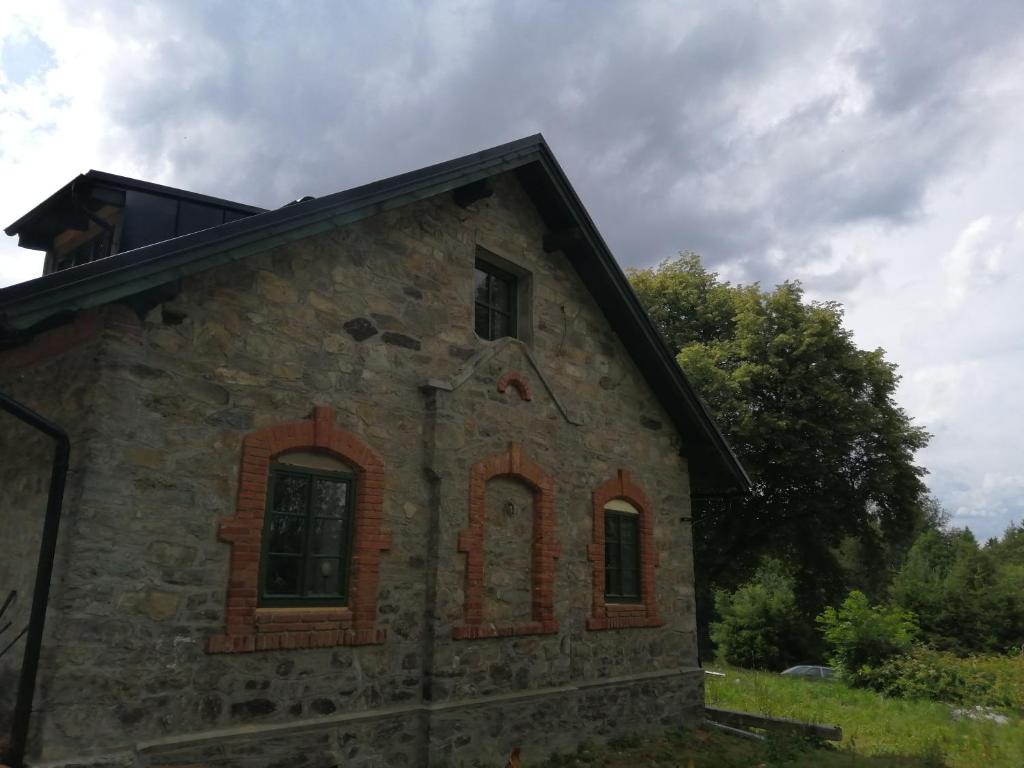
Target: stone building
x,y
400,476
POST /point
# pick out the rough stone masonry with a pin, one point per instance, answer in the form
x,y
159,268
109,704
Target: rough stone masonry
x,y
477,620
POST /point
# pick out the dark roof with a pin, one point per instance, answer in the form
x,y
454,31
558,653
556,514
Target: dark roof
x,y
125,182
714,468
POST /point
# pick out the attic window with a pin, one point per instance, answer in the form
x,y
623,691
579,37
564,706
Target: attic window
x,y
496,302
93,249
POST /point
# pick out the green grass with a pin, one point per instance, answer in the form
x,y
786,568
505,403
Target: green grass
x,y
875,726
706,748
878,732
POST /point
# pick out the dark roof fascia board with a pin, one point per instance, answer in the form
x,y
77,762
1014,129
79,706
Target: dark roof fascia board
x,y
639,317
24,305
128,183
165,191
12,229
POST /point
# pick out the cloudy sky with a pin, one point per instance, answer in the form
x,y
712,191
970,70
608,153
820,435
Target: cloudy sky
x,y
870,149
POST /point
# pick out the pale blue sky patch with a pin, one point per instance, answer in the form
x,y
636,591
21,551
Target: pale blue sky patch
x,y
25,56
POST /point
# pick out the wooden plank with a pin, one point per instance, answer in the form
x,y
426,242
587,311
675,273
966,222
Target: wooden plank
x,y
749,720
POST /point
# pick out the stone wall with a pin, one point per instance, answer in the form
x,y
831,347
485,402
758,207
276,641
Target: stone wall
x,y
52,375
374,320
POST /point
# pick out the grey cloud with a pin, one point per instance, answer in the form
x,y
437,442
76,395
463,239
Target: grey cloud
x,y
282,100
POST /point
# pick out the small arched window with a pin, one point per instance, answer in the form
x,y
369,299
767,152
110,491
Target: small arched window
x,y
623,556
621,552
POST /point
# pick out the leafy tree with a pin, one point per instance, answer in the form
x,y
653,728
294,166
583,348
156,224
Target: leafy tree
x,y
871,560
861,637
811,416
760,626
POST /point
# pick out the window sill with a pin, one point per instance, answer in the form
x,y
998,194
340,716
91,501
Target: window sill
x,y
513,629
616,620
302,618
625,607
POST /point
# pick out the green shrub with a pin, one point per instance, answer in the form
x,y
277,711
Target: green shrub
x,y
861,637
759,624
925,674
994,681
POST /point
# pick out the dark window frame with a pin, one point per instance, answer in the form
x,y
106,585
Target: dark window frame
x,y
266,600
96,247
490,307
615,555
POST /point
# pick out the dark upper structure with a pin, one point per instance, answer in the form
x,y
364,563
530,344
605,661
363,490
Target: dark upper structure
x,y
98,214
110,239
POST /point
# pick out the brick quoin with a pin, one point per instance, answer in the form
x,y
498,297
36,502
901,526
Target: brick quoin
x,y
623,615
86,327
518,382
249,628
545,548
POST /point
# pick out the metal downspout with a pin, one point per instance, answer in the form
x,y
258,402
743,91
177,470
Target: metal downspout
x,y
44,570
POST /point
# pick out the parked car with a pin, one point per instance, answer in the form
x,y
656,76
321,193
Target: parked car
x,y
806,670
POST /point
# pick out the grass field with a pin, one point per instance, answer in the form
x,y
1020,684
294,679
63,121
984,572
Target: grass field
x,y
874,726
878,732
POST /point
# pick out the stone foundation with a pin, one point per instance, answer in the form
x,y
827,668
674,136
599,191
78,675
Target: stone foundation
x,y
456,734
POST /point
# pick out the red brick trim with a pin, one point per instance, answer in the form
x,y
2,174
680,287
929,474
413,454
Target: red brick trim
x,y
621,615
511,463
249,628
517,381
87,326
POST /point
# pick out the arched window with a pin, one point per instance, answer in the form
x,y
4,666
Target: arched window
x,y
307,534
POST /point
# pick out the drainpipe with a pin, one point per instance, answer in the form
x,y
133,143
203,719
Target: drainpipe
x,y
44,571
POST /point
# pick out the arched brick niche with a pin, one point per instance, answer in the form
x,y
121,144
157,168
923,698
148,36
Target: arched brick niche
x,y
251,628
517,381
611,615
544,548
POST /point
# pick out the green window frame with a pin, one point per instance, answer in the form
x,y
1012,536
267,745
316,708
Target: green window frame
x,y
496,307
621,557
307,537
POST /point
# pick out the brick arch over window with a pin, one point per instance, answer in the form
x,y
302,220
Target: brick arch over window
x,y
251,628
644,613
545,549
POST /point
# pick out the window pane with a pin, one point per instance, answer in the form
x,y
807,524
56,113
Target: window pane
x,y
282,575
324,577
327,537
306,536
502,325
287,534
629,555
483,326
482,287
290,493
501,294
330,497
612,582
